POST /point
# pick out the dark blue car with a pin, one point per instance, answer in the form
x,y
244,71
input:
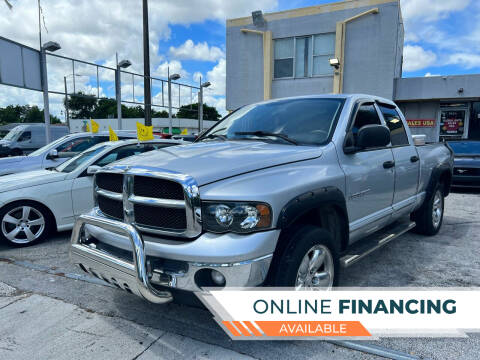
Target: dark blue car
x,y
466,167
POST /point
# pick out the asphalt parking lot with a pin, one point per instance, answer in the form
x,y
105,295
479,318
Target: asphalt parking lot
x,y
49,309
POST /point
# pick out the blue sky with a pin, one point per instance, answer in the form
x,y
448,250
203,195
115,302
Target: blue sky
x,y
441,38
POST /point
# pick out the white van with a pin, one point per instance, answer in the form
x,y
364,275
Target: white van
x,y
24,139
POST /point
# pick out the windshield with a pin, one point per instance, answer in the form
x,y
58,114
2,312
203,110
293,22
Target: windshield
x,y
14,133
306,121
48,146
78,160
465,147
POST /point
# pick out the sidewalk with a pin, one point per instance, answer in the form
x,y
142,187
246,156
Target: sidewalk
x,y
39,327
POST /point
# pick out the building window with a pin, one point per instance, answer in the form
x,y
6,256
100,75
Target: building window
x,y
297,57
283,66
323,50
302,54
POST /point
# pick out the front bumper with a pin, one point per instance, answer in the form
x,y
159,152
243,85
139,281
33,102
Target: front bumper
x,y
142,278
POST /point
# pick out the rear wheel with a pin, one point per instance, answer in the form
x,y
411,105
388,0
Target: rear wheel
x,y
429,217
23,224
310,260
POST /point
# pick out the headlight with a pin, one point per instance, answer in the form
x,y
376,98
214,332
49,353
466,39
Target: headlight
x,y
238,217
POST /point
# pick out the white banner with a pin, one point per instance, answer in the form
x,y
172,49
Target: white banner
x,y
257,313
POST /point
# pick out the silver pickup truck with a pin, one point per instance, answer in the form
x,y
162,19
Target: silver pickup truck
x,y
279,193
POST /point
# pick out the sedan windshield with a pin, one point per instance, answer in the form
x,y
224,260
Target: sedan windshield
x,y
302,121
78,160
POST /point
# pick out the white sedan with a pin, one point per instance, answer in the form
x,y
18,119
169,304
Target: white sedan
x,y
36,202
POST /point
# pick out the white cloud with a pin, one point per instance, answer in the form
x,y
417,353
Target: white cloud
x,y
175,67
431,10
201,51
416,58
197,76
429,74
465,60
217,77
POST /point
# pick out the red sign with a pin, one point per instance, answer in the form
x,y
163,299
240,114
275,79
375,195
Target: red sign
x,y
421,122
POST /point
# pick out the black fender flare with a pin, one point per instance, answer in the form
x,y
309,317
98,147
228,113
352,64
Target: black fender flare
x,y
310,200
437,172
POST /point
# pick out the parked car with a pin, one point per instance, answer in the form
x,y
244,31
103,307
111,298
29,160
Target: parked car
x,y
57,152
466,165
34,203
24,139
282,193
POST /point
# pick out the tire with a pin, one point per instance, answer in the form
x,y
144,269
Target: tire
x,y
24,223
302,244
429,217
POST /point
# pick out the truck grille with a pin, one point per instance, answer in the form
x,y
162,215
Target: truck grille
x,y
110,207
159,217
157,188
110,182
153,204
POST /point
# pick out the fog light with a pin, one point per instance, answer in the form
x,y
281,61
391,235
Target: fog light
x,y
218,278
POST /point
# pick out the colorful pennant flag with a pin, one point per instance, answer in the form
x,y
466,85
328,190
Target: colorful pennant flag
x,y
144,133
113,136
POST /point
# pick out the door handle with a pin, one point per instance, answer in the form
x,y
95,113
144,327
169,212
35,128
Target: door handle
x,y
414,158
388,164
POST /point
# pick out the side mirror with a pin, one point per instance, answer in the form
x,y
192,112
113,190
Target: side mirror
x,y
373,136
52,154
91,170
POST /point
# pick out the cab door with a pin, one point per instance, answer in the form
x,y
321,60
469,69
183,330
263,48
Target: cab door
x,y
369,175
407,162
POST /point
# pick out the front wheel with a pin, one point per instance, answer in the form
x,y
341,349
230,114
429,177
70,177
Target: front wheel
x,y
23,224
310,260
429,217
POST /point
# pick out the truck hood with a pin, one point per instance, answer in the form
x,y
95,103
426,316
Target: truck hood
x,y
211,161
28,179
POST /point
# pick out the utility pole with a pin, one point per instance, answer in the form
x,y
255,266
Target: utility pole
x,y
146,67
46,103
67,117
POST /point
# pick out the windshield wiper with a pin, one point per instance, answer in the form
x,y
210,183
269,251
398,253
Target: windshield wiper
x,y
266,133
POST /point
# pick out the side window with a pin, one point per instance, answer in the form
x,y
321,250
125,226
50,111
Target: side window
x,y
26,135
76,145
366,115
100,139
121,153
398,134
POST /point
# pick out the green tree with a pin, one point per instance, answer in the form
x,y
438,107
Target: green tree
x,y
190,111
81,106
24,114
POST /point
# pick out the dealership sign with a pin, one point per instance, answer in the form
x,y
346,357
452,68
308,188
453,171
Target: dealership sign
x,y
356,313
421,122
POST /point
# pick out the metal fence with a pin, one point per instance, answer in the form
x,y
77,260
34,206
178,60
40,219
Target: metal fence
x,y
100,81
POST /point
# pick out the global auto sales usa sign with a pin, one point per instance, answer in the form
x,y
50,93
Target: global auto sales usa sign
x,y
421,122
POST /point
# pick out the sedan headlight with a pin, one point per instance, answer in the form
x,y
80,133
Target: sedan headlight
x,y
238,217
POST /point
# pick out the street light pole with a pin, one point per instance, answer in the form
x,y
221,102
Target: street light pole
x,y
118,89
170,78
50,46
146,67
200,104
